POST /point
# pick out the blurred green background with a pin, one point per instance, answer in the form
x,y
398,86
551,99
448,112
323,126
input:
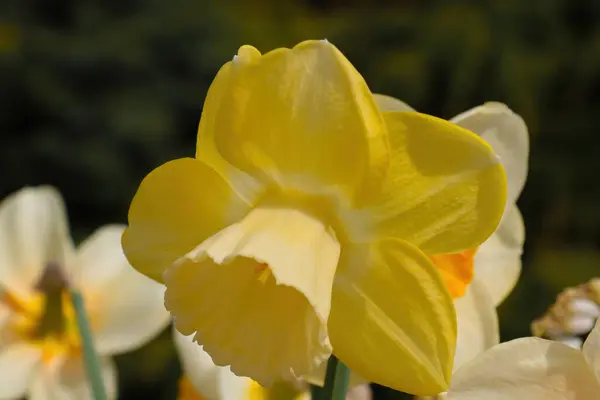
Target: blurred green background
x,y
95,94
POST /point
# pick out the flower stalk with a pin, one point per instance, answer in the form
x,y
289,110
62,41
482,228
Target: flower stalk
x,y
337,380
90,357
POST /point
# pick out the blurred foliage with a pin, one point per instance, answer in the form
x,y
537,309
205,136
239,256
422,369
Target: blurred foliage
x,y
96,94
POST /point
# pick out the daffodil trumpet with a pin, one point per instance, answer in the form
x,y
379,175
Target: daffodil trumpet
x,y
304,214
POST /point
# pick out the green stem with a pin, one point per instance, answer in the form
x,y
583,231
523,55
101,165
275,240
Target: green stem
x,y
92,363
337,380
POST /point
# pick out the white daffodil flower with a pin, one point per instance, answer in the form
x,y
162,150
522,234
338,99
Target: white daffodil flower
x,y
40,349
497,262
531,369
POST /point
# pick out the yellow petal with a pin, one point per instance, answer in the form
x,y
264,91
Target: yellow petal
x,y
66,379
208,380
498,260
17,365
126,308
445,190
34,231
477,323
177,206
526,368
302,118
388,103
591,350
392,320
258,294
507,133
456,269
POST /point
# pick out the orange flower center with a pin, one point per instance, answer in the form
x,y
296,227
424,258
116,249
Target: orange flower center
x,y
457,271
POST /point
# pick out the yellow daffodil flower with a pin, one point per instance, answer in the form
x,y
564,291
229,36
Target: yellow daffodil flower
x,y
40,349
497,262
203,380
531,369
302,225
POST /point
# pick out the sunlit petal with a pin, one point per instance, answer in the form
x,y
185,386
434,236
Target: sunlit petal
x,y
446,189
177,206
271,276
527,368
302,118
392,319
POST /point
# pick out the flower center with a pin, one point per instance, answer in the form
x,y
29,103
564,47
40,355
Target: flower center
x,y
258,293
45,318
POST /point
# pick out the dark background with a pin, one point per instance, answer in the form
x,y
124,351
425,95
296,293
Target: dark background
x,y
95,94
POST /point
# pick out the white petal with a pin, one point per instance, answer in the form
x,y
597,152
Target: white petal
x,y
17,365
572,341
360,392
66,380
526,369
126,308
498,259
33,232
477,324
507,133
591,350
389,103
210,380
99,258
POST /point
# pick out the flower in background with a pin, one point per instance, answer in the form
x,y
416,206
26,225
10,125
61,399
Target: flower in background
x,y
492,270
572,316
305,213
531,369
203,380
40,349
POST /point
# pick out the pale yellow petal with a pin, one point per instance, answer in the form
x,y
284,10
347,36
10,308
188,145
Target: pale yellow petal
x,y
507,133
360,392
34,232
99,259
66,379
271,274
477,323
526,369
591,350
445,191
18,363
392,320
498,259
209,380
388,103
176,207
126,308
301,118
